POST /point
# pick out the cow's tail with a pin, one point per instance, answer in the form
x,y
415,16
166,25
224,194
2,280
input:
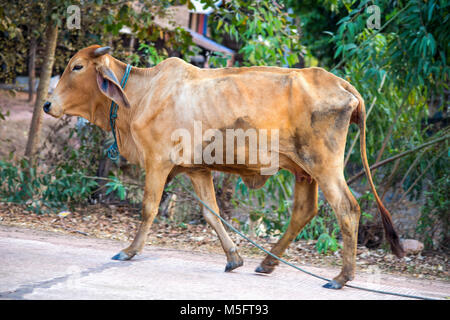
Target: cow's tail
x,y
359,117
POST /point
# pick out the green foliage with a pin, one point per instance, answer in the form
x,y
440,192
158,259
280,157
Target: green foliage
x,y
3,115
182,225
271,203
402,69
218,59
42,191
66,186
68,177
326,243
413,49
366,201
434,223
266,33
18,22
116,185
17,184
323,228
318,21
100,24
153,58
323,223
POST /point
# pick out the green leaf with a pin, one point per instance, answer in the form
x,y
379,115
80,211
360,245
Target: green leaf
x,y
338,51
121,192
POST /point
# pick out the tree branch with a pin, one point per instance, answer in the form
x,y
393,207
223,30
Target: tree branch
x,y
421,175
400,155
391,127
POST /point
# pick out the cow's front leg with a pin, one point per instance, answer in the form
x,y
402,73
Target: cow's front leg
x,y
154,185
204,187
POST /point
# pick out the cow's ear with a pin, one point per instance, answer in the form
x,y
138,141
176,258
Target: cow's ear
x,y
109,85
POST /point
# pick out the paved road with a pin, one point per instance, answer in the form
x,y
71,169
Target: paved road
x,y
42,265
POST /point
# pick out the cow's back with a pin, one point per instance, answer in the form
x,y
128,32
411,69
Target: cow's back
x,y
267,97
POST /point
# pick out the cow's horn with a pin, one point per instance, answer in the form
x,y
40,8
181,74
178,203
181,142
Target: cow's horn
x,y
101,51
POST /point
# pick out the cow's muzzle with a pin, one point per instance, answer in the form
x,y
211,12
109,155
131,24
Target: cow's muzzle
x,y
47,106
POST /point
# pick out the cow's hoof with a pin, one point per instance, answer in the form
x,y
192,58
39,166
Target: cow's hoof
x,y
233,265
264,269
333,284
122,256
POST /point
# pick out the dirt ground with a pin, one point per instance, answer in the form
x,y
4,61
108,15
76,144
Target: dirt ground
x,y
14,130
120,223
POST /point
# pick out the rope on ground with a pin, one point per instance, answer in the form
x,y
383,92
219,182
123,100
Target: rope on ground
x,y
292,265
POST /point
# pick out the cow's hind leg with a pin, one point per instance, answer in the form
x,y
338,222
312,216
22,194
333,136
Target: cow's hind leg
x,y
204,187
305,208
155,180
347,212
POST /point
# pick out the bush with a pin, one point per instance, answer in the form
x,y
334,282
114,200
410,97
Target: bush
x,y
323,228
434,221
43,192
323,223
63,176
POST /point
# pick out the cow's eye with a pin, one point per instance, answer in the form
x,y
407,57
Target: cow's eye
x,y
77,67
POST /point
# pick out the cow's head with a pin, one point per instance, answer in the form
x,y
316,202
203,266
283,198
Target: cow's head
x,y
87,86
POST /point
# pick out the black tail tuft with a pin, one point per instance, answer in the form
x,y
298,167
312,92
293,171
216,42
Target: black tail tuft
x,y
391,234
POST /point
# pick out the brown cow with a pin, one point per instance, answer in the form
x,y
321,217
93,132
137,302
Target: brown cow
x,y
311,109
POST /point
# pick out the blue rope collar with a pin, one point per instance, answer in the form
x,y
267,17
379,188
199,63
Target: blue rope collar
x,y
113,151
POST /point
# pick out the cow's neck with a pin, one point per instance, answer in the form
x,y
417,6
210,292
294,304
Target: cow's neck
x,y
134,90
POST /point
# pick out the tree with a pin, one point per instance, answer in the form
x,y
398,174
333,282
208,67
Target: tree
x,y
410,51
20,22
265,32
112,15
51,36
31,67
